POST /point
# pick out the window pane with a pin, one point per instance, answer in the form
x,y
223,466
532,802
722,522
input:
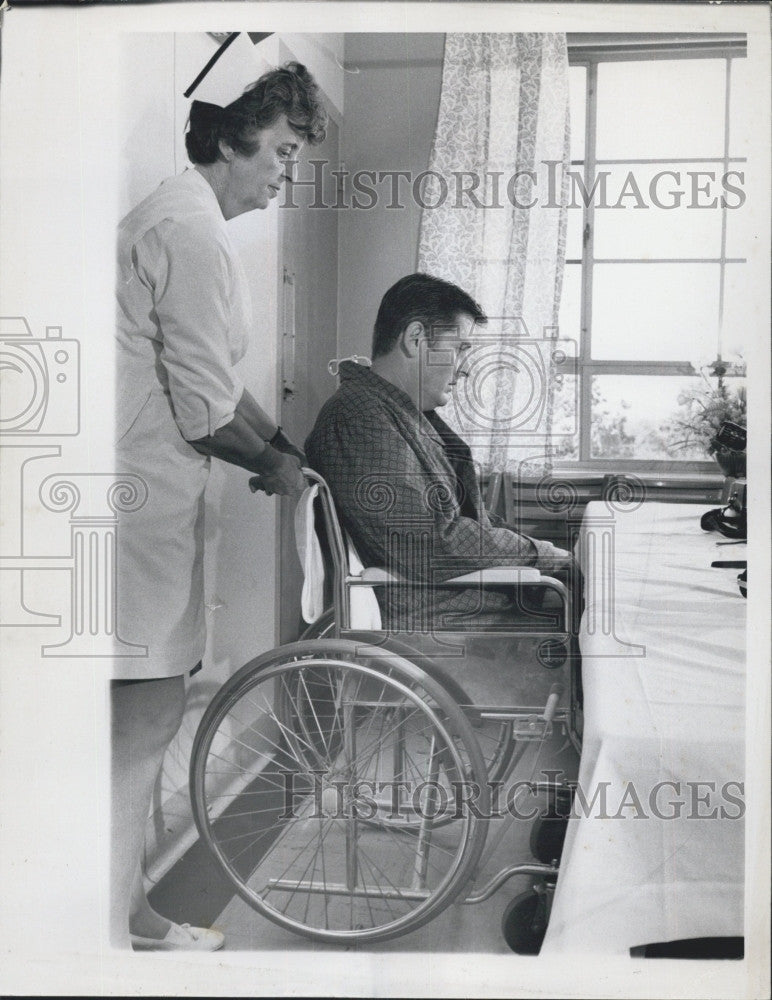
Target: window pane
x,y
743,230
574,227
565,419
655,312
742,107
661,108
577,96
637,416
569,318
656,210
745,312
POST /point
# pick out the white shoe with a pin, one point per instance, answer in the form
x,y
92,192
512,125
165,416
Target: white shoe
x,y
181,937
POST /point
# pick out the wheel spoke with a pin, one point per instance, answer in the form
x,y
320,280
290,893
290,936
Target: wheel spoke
x,y
310,862
313,710
270,712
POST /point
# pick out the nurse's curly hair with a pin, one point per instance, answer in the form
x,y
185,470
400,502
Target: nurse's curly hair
x,y
290,91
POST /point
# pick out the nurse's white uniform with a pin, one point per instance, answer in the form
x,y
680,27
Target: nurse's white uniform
x,y
184,317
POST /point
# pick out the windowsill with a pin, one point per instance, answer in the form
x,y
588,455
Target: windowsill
x,y
708,475
549,501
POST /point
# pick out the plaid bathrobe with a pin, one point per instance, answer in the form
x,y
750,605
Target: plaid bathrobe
x,y
407,492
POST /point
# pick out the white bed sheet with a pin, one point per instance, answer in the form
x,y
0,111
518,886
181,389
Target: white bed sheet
x,y
664,701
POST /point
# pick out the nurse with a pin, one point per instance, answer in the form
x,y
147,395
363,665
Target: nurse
x,y
184,321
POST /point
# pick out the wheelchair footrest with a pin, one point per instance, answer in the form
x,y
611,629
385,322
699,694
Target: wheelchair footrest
x,y
524,727
338,889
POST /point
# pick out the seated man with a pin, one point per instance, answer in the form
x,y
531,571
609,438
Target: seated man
x,y
403,481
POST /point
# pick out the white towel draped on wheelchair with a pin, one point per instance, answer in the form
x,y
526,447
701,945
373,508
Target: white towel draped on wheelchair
x,y
365,612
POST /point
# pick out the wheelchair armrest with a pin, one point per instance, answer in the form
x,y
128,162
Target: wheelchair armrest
x,y
513,576
493,576
376,575
499,574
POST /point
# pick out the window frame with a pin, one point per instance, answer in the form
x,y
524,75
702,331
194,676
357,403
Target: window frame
x,y
589,50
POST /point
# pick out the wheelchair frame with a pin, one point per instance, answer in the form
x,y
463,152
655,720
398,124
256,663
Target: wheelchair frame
x,y
345,708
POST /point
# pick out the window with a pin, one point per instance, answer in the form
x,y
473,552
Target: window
x,y
653,289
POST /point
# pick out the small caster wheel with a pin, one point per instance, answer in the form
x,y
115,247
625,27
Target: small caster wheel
x,y
549,832
524,923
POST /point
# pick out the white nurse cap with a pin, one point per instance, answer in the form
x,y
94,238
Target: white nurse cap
x,y
229,72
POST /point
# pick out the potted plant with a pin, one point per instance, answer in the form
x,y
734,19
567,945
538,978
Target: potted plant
x,y
703,410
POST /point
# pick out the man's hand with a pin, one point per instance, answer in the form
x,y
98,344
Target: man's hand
x,y
549,558
553,560
562,565
285,479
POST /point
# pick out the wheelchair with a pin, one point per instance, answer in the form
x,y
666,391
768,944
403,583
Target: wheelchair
x,y
347,783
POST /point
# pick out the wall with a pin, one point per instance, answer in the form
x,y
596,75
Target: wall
x,y
323,55
392,94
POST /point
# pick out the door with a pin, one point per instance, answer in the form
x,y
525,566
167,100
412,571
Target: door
x,y
308,304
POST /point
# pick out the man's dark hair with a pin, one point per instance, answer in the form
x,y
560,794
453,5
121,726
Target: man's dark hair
x,y
420,297
290,91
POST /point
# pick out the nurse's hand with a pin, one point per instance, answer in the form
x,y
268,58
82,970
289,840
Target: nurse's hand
x,y
241,443
282,443
285,479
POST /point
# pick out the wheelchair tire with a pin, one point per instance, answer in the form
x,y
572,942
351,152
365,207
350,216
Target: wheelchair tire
x,y
276,798
524,923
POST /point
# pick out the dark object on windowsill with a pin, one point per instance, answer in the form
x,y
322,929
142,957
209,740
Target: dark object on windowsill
x,y
707,947
734,495
732,436
728,448
731,463
729,522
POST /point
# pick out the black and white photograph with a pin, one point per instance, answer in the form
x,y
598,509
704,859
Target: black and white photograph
x,y
384,442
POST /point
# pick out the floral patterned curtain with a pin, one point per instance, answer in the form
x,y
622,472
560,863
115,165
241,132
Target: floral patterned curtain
x,y
498,183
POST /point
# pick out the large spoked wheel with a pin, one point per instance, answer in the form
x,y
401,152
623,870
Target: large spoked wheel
x,y
318,775
494,736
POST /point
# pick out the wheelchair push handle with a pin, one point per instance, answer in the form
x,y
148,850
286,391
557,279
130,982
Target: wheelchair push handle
x,y
312,477
553,698
256,484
